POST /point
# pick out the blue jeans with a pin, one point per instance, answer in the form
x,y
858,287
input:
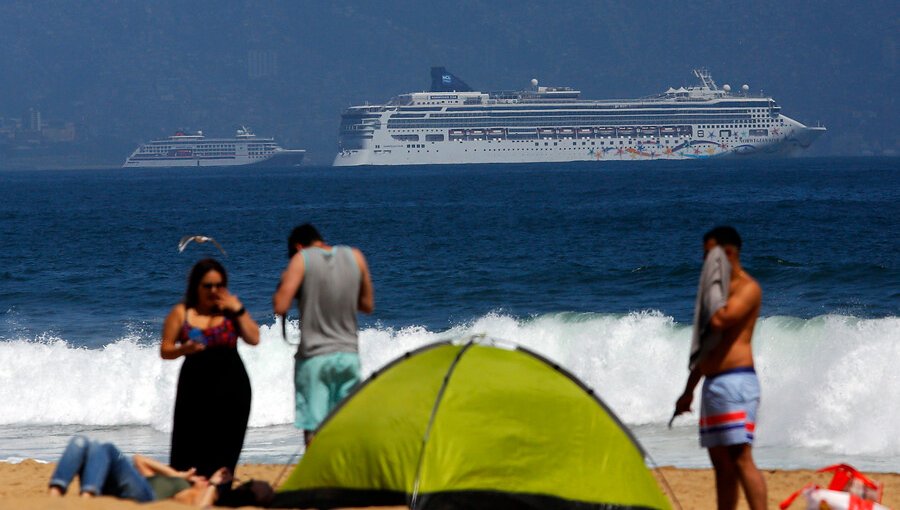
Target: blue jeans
x,y
103,469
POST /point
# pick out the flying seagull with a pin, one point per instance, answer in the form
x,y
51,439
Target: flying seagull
x,y
200,239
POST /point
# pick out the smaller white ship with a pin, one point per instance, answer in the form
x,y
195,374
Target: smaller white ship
x,y
184,149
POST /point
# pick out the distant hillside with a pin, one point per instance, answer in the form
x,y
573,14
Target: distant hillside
x,y
126,72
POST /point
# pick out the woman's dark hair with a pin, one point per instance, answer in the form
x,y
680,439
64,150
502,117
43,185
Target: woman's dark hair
x,y
252,493
197,273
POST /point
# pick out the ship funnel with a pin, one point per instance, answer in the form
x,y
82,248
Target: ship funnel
x,y
444,81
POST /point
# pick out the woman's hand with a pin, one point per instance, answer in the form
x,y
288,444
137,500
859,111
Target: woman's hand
x,y
232,307
228,302
190,347
170,347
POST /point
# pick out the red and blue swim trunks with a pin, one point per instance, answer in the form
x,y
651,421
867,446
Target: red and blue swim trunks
x,y
728,407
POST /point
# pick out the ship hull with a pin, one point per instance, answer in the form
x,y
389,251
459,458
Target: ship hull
x,y
288,158
571,149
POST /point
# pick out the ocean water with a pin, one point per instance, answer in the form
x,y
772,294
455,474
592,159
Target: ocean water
x,y
592,265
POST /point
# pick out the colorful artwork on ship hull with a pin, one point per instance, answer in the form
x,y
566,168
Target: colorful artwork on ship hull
x,y
697,149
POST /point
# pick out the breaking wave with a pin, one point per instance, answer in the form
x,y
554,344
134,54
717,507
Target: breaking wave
x,y
828,382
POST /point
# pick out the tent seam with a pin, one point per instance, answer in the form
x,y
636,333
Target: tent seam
x,y
425,437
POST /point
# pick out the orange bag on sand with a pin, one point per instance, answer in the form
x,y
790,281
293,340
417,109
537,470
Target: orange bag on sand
x,y
849,490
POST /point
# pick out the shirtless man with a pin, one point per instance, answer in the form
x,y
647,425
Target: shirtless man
x,y
730,393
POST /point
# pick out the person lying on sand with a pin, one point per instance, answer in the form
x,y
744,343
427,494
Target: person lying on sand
x,y
104,470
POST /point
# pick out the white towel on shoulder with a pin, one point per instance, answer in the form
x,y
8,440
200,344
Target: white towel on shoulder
x,y
712,294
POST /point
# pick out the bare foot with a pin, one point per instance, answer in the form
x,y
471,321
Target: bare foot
x,y
55,492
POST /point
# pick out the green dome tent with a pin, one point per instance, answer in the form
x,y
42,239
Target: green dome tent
x,y
466,425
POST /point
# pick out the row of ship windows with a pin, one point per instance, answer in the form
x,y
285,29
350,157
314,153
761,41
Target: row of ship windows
x,y
519,129
577,114
589,109
575,118
679,110
660,143
723,133
718,126
205,147
388,151
200,146
575,145
205,153
419,148
216,151
409,151
529,149
583,113
537,108
732,125
547,123
524,136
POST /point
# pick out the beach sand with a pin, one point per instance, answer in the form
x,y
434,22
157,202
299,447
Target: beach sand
x,y
24,485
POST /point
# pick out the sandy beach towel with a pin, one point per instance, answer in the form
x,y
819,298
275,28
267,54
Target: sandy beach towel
x,y
712,294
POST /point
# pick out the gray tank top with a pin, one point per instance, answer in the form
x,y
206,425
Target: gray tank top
x,y
328,299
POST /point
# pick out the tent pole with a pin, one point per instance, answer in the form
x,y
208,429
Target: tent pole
x,y
415,493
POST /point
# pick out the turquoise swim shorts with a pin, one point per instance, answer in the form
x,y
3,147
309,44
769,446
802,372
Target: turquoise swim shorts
x,y
321,383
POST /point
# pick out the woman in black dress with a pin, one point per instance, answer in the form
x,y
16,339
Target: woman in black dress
x,y
213,400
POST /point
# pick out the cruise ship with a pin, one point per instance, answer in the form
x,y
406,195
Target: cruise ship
x,y
453,124
184,149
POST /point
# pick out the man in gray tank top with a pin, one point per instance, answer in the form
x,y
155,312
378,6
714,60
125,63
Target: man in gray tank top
x,y
331,283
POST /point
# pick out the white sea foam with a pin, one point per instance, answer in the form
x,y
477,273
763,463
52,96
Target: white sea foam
x,y
829,383
19,460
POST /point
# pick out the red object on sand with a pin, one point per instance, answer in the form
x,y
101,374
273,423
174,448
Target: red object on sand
x,y
863,491
847,479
